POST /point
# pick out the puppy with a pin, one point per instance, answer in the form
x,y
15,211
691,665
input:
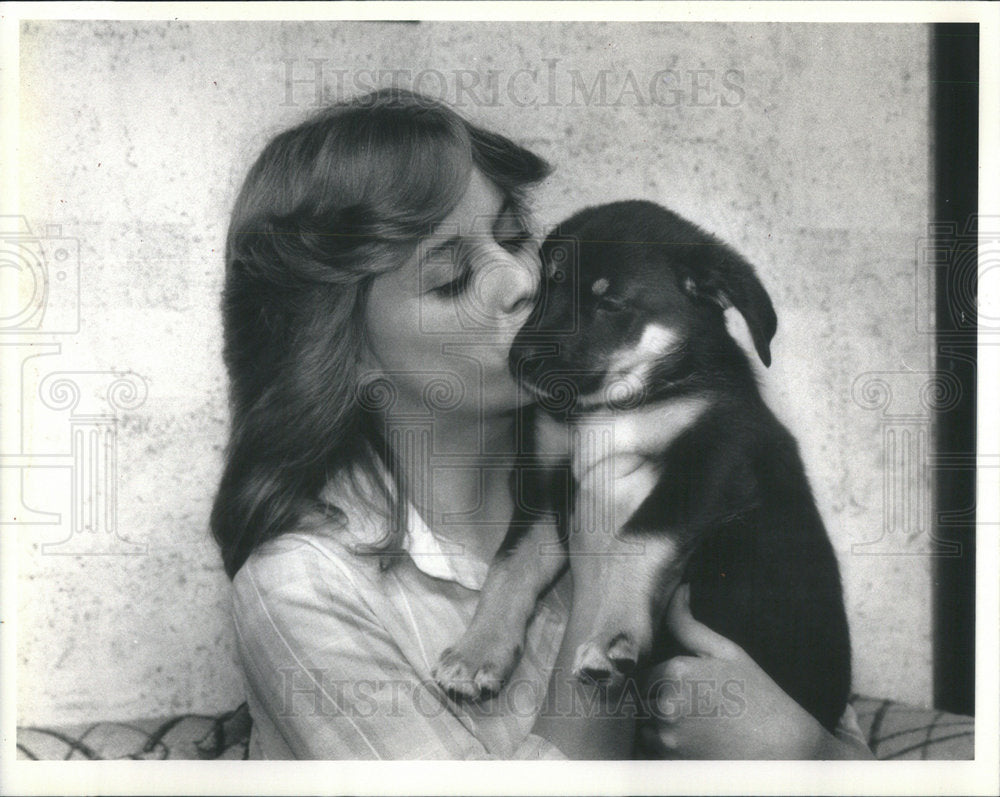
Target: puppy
x,y
680,472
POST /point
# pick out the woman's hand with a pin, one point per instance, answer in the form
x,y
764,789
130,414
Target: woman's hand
x,y
719,704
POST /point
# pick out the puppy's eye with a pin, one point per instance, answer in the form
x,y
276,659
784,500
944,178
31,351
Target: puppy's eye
x,y
610,304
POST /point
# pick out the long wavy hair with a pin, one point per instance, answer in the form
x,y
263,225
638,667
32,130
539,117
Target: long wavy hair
x,y
328,205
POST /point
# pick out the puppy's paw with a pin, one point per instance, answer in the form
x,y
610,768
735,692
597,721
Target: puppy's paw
x,y
472,672
601,662
624,653
455,675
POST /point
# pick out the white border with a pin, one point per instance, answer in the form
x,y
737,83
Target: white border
x,y
516,10
905,777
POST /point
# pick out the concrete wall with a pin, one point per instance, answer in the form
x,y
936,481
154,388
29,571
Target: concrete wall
x,y
805,146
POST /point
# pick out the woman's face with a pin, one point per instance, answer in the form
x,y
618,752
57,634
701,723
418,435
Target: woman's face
x,y
440,327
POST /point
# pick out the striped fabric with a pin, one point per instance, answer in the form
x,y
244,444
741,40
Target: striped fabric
x,y
336,654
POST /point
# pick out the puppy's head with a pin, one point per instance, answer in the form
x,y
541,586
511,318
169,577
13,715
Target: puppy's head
x,y
632,302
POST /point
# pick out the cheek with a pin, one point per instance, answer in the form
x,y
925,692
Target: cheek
x,y
392,329
402,344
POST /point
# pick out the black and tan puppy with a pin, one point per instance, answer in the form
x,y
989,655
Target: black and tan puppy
x,y
680,472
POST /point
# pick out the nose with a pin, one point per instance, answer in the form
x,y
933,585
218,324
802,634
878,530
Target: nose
x,y
509,282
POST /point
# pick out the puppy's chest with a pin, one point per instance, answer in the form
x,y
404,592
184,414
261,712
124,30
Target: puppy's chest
x,y
610,492
615,457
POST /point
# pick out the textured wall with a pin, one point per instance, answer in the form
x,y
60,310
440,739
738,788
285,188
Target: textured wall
x,y
810,157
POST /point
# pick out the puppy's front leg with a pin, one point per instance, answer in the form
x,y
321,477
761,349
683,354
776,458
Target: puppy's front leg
x,y
621,567
529,560
623,592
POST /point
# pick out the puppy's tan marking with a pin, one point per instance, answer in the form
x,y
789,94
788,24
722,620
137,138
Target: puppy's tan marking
x,y
628,368
656,341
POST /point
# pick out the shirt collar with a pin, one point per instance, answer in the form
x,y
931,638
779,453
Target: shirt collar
x,y
431,554
441,558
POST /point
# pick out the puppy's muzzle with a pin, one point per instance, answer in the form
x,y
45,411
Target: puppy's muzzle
x,y
527,363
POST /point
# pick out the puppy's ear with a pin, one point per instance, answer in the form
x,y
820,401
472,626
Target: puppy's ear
x,y
731,281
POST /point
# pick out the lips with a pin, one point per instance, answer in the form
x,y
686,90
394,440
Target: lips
x,y
535,390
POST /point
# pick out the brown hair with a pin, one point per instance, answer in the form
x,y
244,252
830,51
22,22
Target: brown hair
x,y
327,206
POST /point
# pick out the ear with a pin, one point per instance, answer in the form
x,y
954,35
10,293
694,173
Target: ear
x,y
731,281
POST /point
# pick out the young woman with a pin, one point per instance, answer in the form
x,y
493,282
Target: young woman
x,y
378,265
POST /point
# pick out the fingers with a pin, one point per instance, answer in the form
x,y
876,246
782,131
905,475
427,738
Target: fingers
x,y
655,742
695,636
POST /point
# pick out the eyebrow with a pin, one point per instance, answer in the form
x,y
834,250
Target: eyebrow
x,y
508,205
446,244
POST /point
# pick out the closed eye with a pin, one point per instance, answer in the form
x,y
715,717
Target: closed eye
x,y
456,286
515,243
450,257
510,232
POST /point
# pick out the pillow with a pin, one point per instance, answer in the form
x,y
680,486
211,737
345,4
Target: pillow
x,y
893,731
898,731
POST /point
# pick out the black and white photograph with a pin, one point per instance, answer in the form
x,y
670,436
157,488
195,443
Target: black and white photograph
x,y
603,385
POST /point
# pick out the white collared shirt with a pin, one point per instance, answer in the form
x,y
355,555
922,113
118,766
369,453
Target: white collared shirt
x,y
337,653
